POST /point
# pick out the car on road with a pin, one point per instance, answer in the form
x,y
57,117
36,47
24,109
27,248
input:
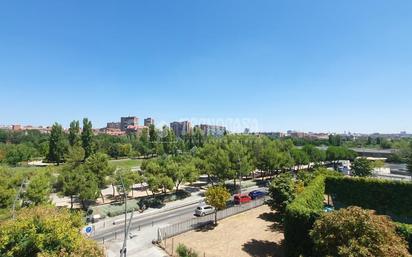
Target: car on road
x,y
204,210
243,198
255,194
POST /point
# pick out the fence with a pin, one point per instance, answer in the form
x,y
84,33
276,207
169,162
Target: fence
x,y
200,222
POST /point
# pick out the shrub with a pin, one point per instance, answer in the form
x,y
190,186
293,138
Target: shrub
x,y
357,232
405,230
281,192
362,167
300,216
46,231
183,251
385,196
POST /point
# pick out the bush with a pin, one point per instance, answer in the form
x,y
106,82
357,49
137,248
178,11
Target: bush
x,y
281,192
405,230
362,167
300,216
357,232
183,251
387,197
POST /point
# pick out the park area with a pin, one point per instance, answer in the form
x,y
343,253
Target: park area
x,y
251,233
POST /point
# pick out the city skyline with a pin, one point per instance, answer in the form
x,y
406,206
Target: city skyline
x,y
316,66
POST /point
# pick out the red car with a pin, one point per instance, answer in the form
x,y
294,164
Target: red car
x,y
238,199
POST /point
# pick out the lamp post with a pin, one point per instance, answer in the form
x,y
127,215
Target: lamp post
x,y
123,250
23,182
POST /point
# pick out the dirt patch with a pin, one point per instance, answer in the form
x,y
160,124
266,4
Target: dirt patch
x,y
252,233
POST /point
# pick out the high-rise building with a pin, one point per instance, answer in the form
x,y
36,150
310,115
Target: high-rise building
x,y
113,125
128,121
181,128
148,122
213,130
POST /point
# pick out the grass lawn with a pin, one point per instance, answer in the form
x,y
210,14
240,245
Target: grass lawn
x,y
126,163
24,169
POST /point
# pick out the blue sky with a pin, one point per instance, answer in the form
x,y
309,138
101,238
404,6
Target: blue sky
x,y
269,65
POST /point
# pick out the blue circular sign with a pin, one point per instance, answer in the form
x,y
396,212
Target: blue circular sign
x,y
88,230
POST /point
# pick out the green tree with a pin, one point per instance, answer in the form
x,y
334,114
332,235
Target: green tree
x,y
70,180
143,144
74,133
181,169
335,140
87,138
362,167
213,161
98,164
129,178
217,196
57,144
45,231
240,161
198,137
38,191
88,187
315,155
281,192
357,232
409,158
169,141
300,157
153,138
336,153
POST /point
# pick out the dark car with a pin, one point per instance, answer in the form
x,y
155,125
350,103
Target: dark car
x,y
255,194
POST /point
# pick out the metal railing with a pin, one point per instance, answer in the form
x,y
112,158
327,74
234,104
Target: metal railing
x,y
200,222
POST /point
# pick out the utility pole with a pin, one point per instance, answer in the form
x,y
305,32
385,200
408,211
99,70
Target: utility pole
x,y
23,182
240,181
123,250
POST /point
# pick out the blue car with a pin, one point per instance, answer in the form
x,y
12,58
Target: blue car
x,y
255,194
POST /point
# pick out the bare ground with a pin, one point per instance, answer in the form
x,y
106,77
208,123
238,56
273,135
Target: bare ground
x,y
252,233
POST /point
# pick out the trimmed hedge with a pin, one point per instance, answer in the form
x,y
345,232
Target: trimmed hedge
x,y
387,197
300,216
405,230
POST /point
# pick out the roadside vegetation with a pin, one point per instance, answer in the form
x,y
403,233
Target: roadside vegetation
x,y
82,165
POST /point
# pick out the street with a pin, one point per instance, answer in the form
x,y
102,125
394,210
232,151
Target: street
x,y
144,228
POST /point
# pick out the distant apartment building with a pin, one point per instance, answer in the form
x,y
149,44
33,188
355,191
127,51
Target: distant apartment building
x,y
113,125
181,128
135,129
148,122
273,134
213,130
125,122
296,134
113,132
16,127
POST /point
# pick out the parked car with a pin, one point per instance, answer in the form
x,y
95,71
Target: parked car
x,y
204,210
243,198
255,194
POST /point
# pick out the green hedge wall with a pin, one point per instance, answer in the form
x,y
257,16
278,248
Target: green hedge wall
x,y
387,197
405,230
300,216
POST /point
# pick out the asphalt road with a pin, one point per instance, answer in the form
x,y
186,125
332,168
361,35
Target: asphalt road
x,y
153,219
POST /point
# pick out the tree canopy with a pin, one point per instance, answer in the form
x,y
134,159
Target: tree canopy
x,y
357,232
45,231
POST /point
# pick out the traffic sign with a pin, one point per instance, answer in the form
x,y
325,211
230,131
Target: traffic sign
x,y
88,230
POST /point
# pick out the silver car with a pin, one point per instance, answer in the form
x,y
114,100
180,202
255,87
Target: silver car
x,y
204,210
